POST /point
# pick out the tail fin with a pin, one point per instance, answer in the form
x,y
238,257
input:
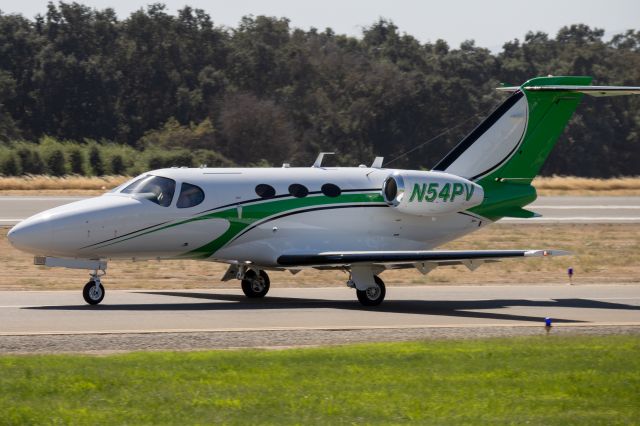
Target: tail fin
x,y
514,141
506,151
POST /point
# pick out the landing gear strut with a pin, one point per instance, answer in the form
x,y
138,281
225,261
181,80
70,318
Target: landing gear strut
x,y
255,284
93,291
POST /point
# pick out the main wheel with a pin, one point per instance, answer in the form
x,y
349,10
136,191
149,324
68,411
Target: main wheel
x,y
91,294
255,285
372,296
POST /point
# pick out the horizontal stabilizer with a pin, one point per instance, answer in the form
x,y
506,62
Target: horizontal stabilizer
x,y
403,257
520,213
599,91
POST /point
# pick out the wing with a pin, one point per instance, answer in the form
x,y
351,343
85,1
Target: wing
x,y
427,259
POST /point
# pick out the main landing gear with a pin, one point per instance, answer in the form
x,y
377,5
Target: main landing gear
x,y
369,287
255,284
93,291
372,296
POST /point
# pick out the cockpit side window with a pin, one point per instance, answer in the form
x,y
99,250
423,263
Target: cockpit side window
x,y
190,196
156,189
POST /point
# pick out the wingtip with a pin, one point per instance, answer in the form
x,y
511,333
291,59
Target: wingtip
x,y
561,253
545,253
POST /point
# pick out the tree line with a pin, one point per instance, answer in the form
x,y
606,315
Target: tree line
x,y
82,91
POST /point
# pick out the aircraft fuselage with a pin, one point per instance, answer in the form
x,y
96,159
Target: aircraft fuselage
x,y
312,209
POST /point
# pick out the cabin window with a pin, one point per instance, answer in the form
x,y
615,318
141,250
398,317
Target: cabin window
x,y
265,191
156,189
190,196
298,191
331,190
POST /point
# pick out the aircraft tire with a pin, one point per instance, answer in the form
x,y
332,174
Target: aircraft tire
x,y
91,296
372,296
255,285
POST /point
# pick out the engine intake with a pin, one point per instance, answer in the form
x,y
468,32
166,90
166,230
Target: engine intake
x,y
430,193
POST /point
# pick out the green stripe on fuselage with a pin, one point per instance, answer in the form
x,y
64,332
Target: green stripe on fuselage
x,y
260,211
245,215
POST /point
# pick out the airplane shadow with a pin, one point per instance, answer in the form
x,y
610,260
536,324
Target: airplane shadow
x,y
453,308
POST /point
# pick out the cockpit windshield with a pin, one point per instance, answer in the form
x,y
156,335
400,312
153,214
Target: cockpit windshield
x,y
156,189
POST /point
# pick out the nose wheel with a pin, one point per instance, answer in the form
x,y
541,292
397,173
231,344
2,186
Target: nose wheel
x,y
93,291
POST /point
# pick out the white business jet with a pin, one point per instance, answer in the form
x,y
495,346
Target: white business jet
x,y
363,220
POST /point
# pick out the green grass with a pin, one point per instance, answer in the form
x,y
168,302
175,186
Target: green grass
x,y
540,380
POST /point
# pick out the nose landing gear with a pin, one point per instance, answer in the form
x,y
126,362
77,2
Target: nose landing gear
x,y
93,291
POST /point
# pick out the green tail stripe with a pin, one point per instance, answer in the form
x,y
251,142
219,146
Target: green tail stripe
x,y
549,113
508,188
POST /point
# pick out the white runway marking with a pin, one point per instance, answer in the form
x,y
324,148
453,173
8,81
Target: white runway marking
x,y
533,299
585,209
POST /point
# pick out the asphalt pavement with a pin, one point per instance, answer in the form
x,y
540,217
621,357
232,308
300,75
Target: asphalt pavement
x,y
139,311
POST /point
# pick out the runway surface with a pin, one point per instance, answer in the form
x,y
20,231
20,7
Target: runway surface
x,y
138,311
559,209
60,321
570,209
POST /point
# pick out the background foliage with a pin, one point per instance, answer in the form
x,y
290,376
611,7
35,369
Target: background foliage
x,y
82,91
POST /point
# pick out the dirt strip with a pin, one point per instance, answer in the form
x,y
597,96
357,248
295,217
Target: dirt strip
x,y
603,253
274,339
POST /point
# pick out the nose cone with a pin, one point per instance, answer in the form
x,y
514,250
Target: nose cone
x,y
32,235
68,230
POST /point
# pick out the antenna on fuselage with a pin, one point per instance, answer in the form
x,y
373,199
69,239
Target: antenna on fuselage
x,y
318,162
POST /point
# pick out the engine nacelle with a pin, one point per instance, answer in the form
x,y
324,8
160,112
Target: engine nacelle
x,y
430,193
